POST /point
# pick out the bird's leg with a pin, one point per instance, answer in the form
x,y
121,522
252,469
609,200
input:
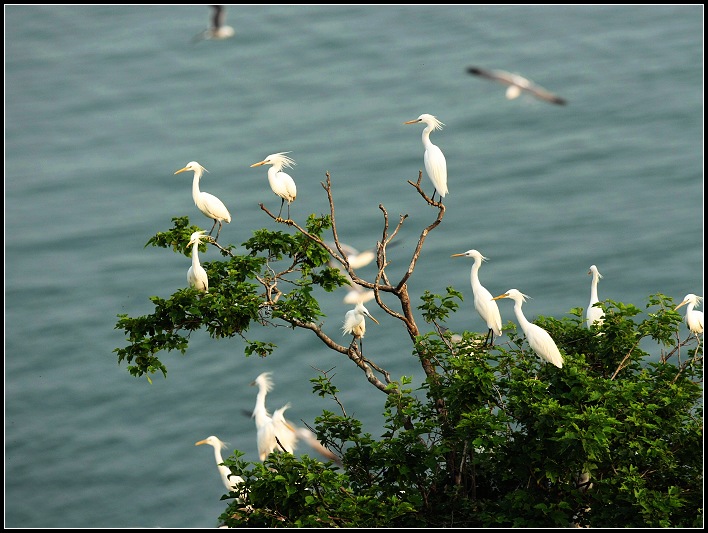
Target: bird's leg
x,y
288,210
282,201
218,231
490,338
212,228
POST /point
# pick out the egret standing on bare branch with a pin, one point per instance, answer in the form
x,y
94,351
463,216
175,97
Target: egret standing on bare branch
x,y
196,275
538,338
483,302
282,184
434,159
594,314
694,318
207,203
355,322
230,480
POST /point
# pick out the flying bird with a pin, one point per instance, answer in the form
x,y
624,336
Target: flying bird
x,y
517,84
594,315
433,158
230,481
694,318
275,433
196,275
483,302
208,204
356,258
217,28
538,338
282,184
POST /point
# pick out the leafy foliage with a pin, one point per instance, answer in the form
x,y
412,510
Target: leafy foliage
x,y
495,437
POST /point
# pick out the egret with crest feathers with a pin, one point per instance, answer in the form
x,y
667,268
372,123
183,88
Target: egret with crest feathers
x,y
275,433
433,158
208,204
538,338
281,183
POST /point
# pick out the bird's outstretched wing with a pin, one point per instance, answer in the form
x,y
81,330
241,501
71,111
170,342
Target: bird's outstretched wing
x,y
517,84
218,17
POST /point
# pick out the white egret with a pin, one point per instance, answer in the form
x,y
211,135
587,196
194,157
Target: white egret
x,y
358,294
594,315
356,258
207,203
355,322
196,275
538,338
483,302
230,480
434,159
517,84
275,433
265,426
282,184
694,318
218,29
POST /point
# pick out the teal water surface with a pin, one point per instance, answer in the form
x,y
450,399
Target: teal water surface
x,y
104,103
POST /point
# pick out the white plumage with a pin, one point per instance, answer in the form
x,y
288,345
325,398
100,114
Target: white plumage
x,y
694,318
594,315
229,480
538,338
355,322
280,182
196,275
433,158
485,305
207,203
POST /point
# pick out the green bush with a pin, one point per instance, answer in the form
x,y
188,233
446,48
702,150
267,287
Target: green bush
x,y
494,438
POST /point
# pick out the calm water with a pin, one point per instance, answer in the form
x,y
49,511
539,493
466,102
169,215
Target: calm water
x,y
104,103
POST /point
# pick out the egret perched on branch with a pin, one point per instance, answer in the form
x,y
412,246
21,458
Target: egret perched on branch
x,y
207,203
434,159
538,338
217,29
594,315
517,84
483,302
694,318
275,432
355,322
282,184
230,480
196,275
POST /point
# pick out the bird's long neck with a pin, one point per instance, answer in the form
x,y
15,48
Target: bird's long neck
x,y
593,288
195,185
474,273
260,413
195,255
520,315
426,136
217,455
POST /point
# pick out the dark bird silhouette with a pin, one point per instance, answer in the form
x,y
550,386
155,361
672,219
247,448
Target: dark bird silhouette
x,y
218,28
517,84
